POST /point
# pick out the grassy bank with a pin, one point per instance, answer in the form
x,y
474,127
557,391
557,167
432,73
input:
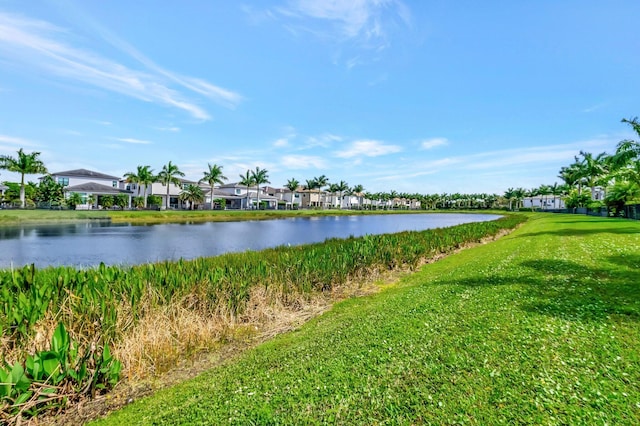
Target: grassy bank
x,y
19,217
152,316
540,327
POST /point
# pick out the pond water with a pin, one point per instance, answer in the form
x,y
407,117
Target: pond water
x,y
89,243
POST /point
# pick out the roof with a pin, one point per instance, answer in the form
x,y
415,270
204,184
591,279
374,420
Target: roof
x,y
233,185
85,173
96,188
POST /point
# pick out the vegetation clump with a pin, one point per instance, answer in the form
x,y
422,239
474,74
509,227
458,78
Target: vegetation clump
x,y
105,306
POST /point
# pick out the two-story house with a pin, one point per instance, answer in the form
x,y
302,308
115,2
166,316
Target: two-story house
x,y
90,185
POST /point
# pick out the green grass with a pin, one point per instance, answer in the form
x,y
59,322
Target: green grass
x,y
540,327
17,217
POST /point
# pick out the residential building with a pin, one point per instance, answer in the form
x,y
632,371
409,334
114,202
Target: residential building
x,y
91,186
160,190
248,196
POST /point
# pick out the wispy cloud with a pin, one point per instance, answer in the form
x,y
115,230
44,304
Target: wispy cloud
x,y
17,142
40,45
433,143
281,143
367,148
300,162
169,129
367,24
133,141
510,162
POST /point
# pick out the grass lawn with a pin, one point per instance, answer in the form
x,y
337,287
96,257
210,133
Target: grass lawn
x,y
539,327
17,217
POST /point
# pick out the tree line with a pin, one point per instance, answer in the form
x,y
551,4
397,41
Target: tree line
x,y
593,181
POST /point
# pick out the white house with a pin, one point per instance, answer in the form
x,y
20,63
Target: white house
x,y
90,185
248,196
160,190
287,199
543,202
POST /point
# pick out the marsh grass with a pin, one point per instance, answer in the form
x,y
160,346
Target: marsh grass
x,y
155,314
539,327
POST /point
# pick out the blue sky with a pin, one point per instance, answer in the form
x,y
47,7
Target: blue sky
x,y
415,96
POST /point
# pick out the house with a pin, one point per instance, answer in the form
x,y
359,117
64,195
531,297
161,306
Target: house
x,y
313,198
159,189
249,196
543,202
287,199
229,201
91,186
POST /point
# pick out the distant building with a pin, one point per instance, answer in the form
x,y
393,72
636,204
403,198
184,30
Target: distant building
x,y
90,185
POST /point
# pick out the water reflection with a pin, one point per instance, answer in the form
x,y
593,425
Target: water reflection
x,y
89,243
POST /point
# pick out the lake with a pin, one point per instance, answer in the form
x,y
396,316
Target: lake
x,y
85,244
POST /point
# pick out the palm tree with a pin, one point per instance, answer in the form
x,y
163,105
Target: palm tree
x,y
146,178
192,194
341,186
555,190
169,175
292,185
212,176
593,169
259,176
358,191
572,175
321,181
25,164
628,150
333,190
247,181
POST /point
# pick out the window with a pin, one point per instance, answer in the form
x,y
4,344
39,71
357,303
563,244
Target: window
x,y
237,191
128,187
114,183
64,181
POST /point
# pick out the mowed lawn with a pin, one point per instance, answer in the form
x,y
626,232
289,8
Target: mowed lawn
x,y
539,327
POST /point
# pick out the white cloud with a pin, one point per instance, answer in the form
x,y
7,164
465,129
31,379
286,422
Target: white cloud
x,y
299,162
133,141
18,142
280,143
368,23
433,143
39,45
169,129
367,148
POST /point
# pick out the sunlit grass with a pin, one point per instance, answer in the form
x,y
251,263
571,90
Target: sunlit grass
x,y
540,327
17,217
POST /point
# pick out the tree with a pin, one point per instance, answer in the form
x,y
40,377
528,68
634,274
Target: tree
x,y
49,191
170,174
292,185
321,181
107,201
193,194
620,194
628,150
25,164
246,180
259,177
358,190
572,175
333,190
74,199
121,200
143,176
341,186
593,169
212,176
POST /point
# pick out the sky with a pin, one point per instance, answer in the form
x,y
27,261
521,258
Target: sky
x,y
426,96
